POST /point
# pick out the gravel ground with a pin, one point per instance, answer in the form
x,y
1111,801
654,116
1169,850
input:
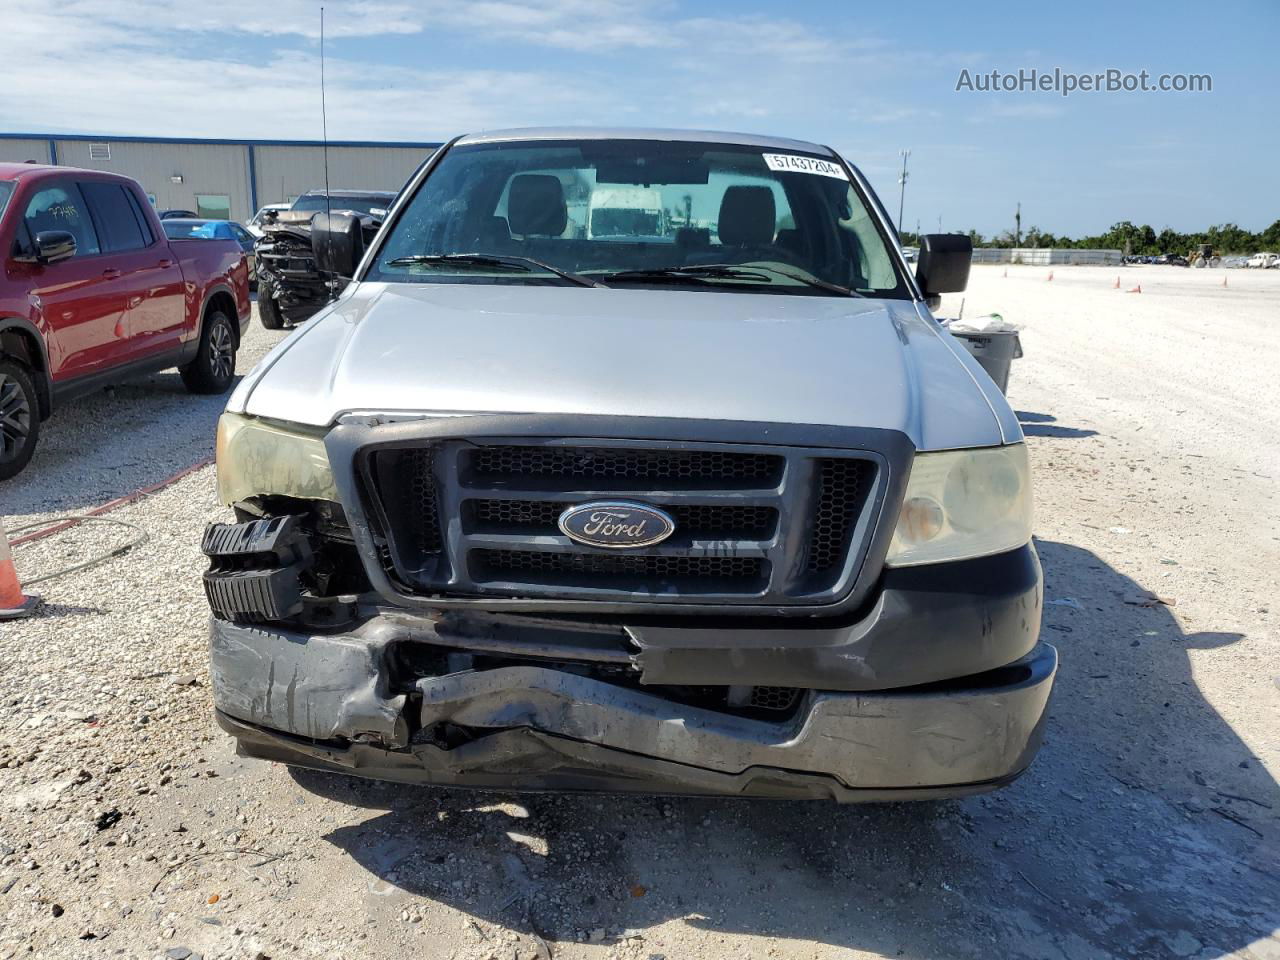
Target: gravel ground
x,y
1148,827
80,461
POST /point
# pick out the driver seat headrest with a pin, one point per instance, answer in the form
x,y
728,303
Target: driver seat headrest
x,y
748,216
535,205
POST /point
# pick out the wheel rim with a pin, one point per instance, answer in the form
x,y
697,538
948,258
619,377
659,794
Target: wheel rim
x,y
15,418
222,351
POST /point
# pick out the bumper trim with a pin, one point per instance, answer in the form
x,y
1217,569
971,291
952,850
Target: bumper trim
x,y
903,738
541,728
543,763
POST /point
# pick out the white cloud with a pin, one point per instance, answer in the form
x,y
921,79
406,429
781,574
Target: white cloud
x,y
146,22
281,98
176,67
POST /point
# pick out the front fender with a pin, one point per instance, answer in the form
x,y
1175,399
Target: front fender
x,y
43,378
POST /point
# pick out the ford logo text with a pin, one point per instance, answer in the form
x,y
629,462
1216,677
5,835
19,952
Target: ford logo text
x,y
616,525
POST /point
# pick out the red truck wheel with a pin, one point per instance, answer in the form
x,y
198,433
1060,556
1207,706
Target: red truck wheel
x,y
19,418
214,367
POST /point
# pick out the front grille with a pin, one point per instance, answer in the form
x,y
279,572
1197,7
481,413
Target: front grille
x,y
680,469
693,521
625,572
406,480
841,494
755,525
773,698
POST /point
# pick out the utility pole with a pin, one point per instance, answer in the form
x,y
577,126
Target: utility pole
x,y
1017,226
902,187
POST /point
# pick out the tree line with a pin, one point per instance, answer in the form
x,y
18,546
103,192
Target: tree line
x,y
1226,238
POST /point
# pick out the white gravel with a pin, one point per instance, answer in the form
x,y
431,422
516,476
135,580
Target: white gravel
x,y
1149,826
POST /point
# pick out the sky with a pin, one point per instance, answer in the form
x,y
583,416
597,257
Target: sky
x,y
866,79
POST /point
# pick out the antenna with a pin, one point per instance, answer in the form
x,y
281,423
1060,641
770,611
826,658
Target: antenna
x,y
902,185
324,121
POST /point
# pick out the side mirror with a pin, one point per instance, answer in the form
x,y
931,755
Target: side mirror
x,y
338,243
53,245
944,264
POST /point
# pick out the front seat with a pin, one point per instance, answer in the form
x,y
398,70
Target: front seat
x,y
748,221
536,207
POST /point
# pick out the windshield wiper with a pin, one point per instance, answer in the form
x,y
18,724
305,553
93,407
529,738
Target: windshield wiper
x,y
698,272
521,264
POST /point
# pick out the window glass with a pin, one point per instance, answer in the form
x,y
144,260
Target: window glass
x,y
211,206
6,191
143,223
113,215
317,202
240,233
790,223
61,207
872,256
189,230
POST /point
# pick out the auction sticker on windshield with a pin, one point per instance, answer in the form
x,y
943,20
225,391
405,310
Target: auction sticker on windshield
x,y
796,163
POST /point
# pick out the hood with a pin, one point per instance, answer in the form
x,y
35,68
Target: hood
x,y
470,348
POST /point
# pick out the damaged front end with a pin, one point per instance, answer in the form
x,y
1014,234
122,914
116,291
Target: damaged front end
x,y
292,288
311,666
287,272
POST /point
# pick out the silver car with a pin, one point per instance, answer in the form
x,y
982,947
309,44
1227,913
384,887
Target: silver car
x,y
712,507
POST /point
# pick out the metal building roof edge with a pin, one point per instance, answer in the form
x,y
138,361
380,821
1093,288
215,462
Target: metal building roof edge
x,y
217,141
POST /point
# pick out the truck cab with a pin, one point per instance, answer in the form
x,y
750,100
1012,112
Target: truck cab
x,y
93,292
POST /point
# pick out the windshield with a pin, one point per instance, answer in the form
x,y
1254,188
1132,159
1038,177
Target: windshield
x,y
642,212
316,202
6,191
178,230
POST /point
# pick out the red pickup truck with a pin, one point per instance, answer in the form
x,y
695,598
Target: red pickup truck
x,y
92,292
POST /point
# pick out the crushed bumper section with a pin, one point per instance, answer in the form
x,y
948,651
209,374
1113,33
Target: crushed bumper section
x,y
330,703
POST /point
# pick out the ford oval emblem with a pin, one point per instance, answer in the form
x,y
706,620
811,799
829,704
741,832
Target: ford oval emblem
x,y
616,525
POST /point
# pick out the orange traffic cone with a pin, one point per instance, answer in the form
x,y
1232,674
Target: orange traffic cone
x,y
1050,275
1137,289
1117,286
13,603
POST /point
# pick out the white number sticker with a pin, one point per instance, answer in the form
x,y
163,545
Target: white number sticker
x,y
796,164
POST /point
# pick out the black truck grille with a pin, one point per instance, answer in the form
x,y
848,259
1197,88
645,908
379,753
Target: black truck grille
x,y
841,493
481,518
654,468
632,573
693,521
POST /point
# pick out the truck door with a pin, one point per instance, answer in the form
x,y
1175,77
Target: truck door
x,y
80,298
152,280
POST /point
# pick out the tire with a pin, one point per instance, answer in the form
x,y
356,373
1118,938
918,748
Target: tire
x,y
268,310
214,368
19,418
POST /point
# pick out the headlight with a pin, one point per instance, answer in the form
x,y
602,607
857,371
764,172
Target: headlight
x,y
257,458
963,503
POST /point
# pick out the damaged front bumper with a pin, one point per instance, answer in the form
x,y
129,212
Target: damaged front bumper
x,y
348,703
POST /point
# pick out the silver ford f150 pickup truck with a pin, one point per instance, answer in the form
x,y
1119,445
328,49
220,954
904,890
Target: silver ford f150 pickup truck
x,y
631,460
